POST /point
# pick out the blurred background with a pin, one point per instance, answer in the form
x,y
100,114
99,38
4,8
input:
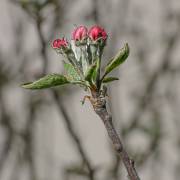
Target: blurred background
x,y
48,134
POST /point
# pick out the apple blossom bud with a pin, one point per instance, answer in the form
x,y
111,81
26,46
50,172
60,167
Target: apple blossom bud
x,y
96,33
80,33
59,43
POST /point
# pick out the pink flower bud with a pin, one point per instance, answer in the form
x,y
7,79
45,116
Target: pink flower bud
x,y
96,32
80,33
59,43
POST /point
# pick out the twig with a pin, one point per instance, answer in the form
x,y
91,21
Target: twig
x,y
99,105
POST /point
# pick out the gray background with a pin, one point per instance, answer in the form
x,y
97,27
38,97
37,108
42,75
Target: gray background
x,y
35,143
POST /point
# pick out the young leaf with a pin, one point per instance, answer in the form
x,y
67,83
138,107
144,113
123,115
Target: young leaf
x,y
90,72
47,81
93,73
120,57
96,73
72,74
109,79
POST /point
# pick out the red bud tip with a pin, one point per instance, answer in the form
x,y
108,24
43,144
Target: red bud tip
x,y
97,32
59,43
80,33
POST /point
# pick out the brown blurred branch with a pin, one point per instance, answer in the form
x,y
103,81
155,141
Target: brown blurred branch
x,y
5,122
73,134
39,22
95,11
5,118
29,140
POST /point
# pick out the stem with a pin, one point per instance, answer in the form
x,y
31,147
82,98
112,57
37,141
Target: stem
x,y
99,105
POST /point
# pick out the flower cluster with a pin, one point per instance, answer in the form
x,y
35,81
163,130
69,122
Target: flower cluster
x,y
85,48
82,62
82,65
81,34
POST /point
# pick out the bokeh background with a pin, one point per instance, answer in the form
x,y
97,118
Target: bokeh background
x,y
48,134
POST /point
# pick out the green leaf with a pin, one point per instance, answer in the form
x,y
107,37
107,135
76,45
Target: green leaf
x,y
47,81
96,72
90,72
109,79
120,57
72,74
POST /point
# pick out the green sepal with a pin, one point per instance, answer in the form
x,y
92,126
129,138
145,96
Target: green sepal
x,y
119,58
110,79
72,74
47,81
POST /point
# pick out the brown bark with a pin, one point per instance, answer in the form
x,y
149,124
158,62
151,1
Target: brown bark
x,y
99,105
